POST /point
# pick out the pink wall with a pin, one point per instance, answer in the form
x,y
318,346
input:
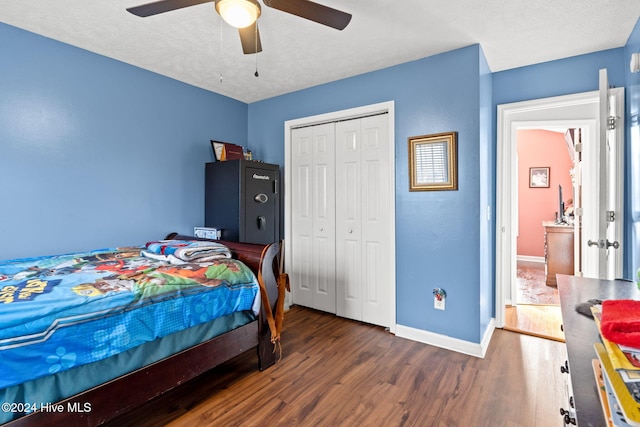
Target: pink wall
x,y
540,148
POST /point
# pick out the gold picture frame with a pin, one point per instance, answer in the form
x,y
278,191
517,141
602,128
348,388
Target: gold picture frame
x,y
539,177
433,162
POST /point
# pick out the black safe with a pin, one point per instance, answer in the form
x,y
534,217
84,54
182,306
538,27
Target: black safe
x,y
242,198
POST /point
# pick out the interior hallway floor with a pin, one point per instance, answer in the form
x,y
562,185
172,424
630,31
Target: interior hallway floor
x,y
537,311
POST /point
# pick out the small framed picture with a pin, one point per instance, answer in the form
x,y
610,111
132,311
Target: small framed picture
x,y
433,162
538,177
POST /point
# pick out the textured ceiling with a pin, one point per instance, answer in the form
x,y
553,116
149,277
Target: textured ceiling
x,y
195,46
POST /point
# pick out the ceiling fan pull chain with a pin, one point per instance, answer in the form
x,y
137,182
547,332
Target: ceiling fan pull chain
x,y
256,39
220,26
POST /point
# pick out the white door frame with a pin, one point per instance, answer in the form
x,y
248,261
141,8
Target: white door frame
x,y
611,191
352,113
577,108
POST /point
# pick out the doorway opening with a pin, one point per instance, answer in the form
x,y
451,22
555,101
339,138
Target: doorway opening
x,y
578,111
599,204
546,238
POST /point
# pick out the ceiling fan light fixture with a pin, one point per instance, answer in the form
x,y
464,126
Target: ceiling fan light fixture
x,y
238,13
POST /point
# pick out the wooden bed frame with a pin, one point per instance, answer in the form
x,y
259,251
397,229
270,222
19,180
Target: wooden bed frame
x,y
124,393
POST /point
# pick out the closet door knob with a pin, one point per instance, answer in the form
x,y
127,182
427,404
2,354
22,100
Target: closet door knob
x,y
350,230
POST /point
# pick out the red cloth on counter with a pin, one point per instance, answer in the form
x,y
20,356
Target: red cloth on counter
x,y
620,322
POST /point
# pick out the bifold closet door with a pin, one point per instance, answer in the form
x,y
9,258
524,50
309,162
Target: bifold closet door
x,y
312,268
363,206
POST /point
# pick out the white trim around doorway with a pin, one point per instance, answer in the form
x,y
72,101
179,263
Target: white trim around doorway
x,y
576,109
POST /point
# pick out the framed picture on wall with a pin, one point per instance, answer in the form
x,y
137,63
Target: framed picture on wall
x,y
433,162
538,177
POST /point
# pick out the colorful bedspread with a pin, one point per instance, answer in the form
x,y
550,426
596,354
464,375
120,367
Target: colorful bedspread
x,y
63,311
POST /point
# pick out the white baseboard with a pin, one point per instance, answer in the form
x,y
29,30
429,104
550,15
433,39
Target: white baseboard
x,y
530,258
446,342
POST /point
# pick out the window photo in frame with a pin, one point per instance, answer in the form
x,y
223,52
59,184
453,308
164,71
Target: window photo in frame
x,y
538,177
433,162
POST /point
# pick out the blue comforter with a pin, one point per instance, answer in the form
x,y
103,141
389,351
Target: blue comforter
x,y
64,311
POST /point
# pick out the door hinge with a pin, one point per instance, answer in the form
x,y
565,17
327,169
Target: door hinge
x,y
578,212
611,216
578,147
611,122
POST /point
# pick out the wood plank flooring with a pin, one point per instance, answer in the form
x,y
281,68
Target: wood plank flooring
x,y
338,372
538,310
542,321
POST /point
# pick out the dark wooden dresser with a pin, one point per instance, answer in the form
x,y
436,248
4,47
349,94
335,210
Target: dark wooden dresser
x,y
581,333
558,250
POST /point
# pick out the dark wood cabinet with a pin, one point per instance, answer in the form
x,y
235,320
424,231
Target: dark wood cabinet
x,y
558,251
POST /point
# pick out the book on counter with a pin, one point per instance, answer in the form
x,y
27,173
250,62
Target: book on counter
x,y
620,395
612,414
619,368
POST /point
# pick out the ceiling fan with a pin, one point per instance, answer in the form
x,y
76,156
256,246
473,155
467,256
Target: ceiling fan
x,y
243,14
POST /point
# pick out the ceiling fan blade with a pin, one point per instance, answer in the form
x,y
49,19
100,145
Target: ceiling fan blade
x,y
162,6
313,11
250,39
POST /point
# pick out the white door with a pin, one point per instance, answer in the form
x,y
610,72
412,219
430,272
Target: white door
x,y
312,267
607,245
363,220
353,176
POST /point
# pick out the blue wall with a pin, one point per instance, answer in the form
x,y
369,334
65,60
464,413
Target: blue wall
x,y
562,77
437,233
95,152
487,197
632,166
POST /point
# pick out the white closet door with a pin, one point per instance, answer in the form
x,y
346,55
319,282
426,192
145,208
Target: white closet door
x,y
313,217
348,220
363,220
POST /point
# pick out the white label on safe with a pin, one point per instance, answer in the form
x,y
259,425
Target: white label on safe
x,y
256,176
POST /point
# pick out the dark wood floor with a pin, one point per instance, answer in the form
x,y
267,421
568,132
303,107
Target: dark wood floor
x,y
338,372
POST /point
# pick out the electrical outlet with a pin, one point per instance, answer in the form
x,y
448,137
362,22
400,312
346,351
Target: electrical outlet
x,y
438,304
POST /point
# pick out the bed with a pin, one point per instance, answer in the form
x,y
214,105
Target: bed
x,y
160,315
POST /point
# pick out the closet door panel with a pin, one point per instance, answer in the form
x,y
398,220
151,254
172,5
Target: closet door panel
x,y
301,271
324,225
348,282
371,283
348,220
377,203
313,217
348,241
